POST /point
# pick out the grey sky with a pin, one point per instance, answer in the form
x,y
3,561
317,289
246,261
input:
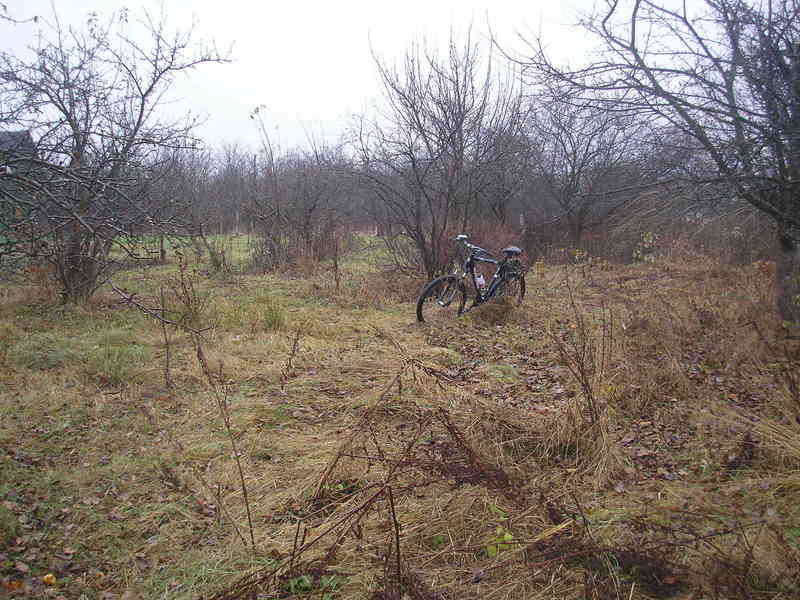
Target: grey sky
x,y
308,61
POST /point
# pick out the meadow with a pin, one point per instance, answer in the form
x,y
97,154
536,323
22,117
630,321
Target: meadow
x,y
630,431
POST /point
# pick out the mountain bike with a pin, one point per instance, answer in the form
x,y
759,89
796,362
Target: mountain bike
x,y
445,298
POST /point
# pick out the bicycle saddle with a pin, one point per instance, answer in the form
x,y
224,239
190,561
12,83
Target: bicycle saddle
x,y
512,251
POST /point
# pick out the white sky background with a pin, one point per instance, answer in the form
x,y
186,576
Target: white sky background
x,y
308,61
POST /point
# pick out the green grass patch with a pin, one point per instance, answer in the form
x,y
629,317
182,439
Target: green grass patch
x,y
43,351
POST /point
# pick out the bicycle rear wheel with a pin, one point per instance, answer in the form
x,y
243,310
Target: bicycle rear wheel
x,y
442,300
512,287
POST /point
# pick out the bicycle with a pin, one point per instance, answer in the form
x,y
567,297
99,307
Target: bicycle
x,y
445,297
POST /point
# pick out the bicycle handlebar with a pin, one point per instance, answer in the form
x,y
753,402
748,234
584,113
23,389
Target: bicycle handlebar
x,y
478,249
472,247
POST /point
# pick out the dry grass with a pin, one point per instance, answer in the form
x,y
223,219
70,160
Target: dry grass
x,y
626,433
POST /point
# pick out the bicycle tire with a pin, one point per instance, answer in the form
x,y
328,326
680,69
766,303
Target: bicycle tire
x,y
441,300
512,286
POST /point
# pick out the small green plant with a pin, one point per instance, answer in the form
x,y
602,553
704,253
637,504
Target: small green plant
x,y
299,585
302,585
503,540
793,533
330,584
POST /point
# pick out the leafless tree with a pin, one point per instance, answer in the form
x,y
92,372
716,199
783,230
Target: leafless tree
x,y
590,162
301,201
436,154
92,99
727,74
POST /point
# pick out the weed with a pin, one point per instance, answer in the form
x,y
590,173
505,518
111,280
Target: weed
x,y
502,540
272,315
188,305
586,355
115,365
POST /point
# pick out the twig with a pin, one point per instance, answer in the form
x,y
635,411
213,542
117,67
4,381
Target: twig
x,y
396,537
293,555
155,313
292,353
167,348
222,403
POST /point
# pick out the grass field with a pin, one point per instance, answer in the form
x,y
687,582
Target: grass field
x,y
628,432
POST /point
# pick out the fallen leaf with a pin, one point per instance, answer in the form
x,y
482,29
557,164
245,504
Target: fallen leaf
x,y
12,586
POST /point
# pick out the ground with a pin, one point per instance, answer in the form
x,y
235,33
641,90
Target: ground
x,y
627,432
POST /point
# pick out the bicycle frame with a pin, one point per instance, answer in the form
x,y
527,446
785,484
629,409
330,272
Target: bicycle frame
x,y
481,295
444,290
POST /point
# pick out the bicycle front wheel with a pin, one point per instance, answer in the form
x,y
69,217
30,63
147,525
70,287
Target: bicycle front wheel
x,y
442,300
512,287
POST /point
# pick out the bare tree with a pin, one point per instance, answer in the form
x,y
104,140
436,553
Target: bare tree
x,y
301,201
589,161
92,100
727,74
437,152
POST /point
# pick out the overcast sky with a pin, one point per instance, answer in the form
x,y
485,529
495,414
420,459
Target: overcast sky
x,y
309,62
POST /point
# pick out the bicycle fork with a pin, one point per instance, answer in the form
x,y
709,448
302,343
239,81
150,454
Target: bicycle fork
x,y
447,295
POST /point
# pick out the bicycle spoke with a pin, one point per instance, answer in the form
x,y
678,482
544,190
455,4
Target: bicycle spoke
x,y
441,301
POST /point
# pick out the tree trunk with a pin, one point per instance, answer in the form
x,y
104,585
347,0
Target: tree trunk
x,y
76,263
576,232
787,276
